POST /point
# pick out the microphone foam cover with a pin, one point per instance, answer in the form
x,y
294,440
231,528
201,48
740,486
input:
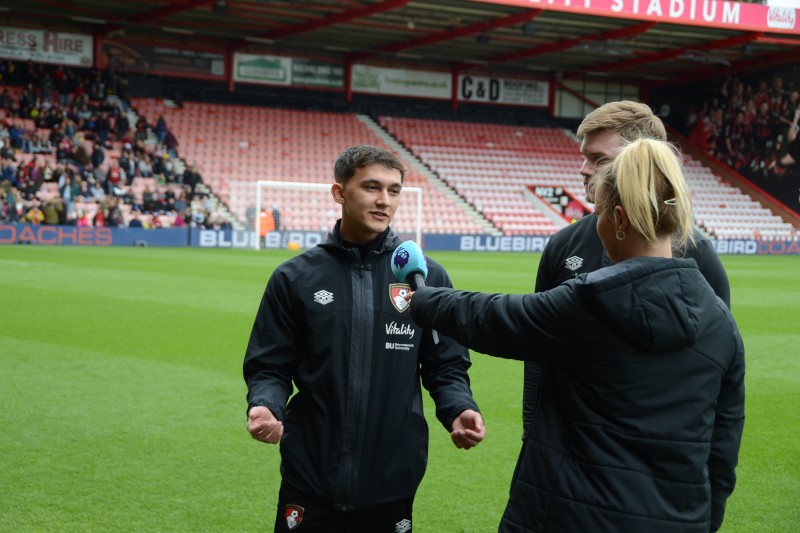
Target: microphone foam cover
x,y
408,259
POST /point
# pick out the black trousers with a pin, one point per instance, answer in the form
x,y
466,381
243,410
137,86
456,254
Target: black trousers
x,y
301,513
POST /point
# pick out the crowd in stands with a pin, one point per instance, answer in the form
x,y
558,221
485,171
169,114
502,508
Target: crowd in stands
x,y
69,155
751,127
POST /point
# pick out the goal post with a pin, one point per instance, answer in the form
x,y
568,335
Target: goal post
x,y
262,185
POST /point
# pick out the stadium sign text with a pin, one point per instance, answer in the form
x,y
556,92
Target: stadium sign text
x,y
29,234
677,9
247,239
486,243
707,13
779,248
46,46
735,247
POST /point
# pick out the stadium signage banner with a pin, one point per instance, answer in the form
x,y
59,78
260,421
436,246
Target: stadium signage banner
x,y
247,239
503,91
488,243
272,70
202,238
561,200
90,236
46,46
401,82
735,247
69,235
276,70
149,58
317,74
778,248
707,13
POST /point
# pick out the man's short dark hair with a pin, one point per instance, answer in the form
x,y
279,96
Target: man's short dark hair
x,y
362,156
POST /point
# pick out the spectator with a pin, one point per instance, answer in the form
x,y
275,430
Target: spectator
x,y
171,142
276,217
161,128
266,225
13,204
123,126
84,192
792,155
97,191
766,128
136,221
180,220
34,215
141,129
83,220
98,156
100,216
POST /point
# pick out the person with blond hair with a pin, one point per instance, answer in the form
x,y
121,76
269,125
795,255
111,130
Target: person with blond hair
x,y
577,249
641,408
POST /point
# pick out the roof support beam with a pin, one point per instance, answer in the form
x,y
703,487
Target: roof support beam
x,y
760,62
448,35
620,33
339,18
675,52
156,14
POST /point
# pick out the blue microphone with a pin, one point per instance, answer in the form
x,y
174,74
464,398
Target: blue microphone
x,y
409,266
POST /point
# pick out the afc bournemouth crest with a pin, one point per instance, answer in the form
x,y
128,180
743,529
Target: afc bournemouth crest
x,y
294,515
397,294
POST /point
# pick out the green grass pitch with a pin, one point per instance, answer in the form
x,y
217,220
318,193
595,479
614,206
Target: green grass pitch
x,y
123,406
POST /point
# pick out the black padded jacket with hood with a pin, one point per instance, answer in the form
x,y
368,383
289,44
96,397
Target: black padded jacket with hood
x,y
641,408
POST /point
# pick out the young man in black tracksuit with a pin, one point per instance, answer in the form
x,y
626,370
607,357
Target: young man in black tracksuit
x,y
577,249
334,323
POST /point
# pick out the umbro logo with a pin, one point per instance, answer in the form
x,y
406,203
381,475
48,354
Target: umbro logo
x,y
323,297
573,263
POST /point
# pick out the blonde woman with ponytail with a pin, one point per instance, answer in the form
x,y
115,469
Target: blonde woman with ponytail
x,y
641,406
643,202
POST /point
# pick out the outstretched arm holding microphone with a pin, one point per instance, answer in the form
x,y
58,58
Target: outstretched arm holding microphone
x,y
409,265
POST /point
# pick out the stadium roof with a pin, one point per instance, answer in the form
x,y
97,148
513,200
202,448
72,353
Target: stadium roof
x,y
649,42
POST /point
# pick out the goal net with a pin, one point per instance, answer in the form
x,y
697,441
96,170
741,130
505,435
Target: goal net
x,y
298,208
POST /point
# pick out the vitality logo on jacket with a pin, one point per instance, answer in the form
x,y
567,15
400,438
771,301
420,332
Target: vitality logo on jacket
x,y
402,329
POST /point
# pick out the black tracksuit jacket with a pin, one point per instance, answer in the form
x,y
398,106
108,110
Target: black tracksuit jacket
x,y
577,249
354,434
642,405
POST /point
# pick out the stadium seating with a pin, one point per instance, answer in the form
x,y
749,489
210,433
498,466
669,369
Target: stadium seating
x,y
491,166
234,146
488,165
725,212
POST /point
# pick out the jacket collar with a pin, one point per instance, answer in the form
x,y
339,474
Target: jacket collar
x,y
388,241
